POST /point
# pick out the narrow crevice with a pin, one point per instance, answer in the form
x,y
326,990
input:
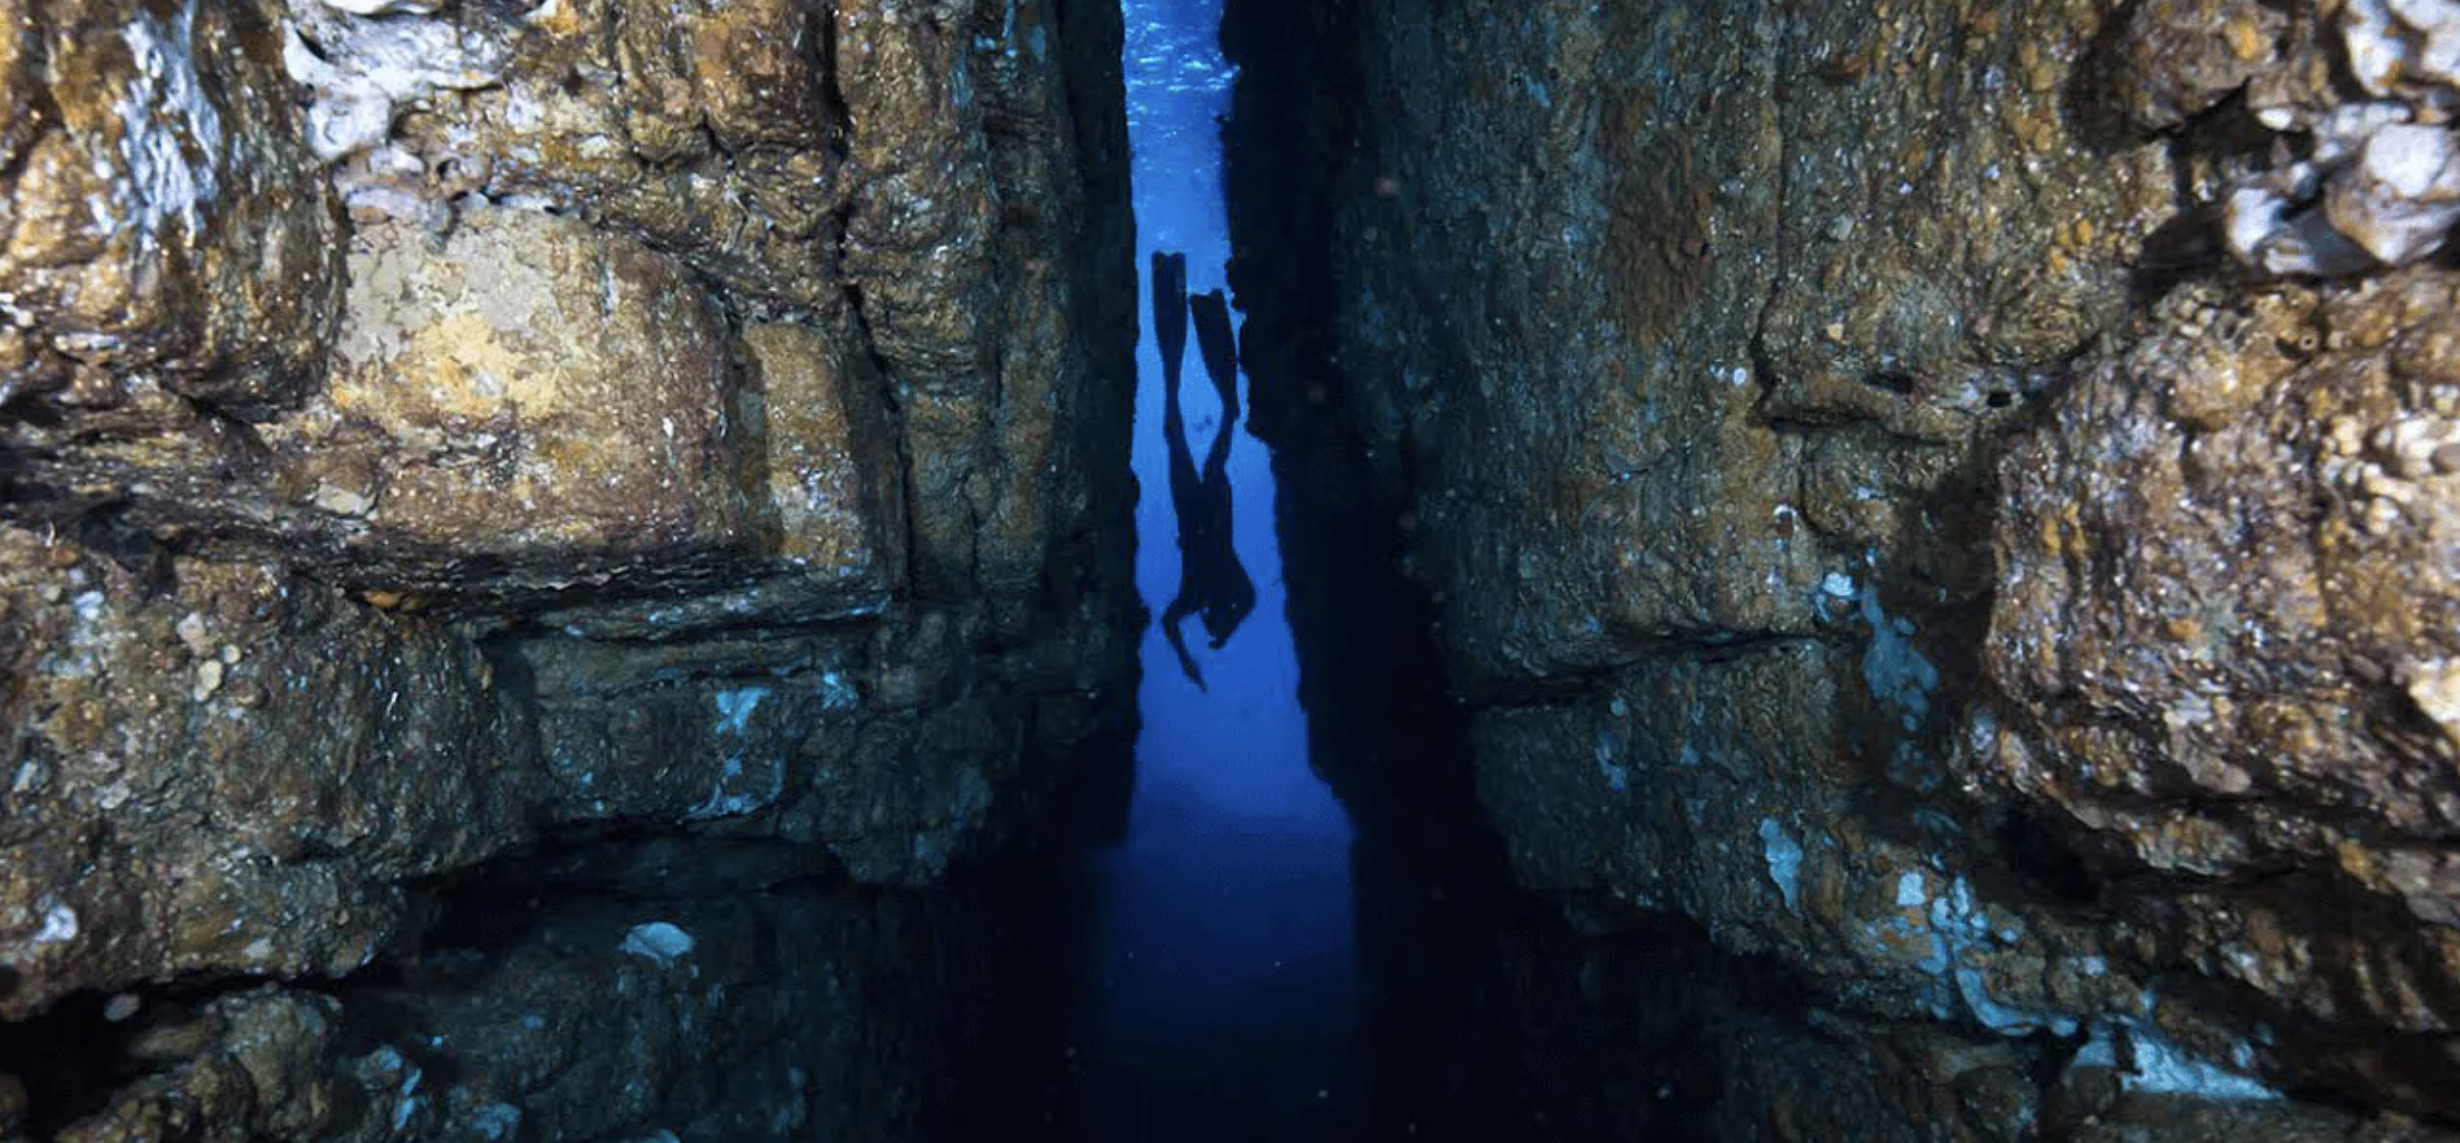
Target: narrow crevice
x,y
1490,1016
66,1063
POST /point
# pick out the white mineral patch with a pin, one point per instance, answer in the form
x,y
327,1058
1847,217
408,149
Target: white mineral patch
x,y
1617,775
2163,1068
658,941
1784,861
2381,184
2411,443
1892,667
383,7
735,709
2398,46
837,692
496,1121
59,925
363,69
342,501
396,203
165,118
725,802
2266,236
208,679
2401,197
192,634
2435,687
2342,131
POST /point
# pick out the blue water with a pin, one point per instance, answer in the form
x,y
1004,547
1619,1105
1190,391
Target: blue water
x,y
1224,990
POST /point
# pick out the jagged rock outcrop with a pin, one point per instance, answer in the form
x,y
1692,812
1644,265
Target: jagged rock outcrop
x,y
1951,499
438,433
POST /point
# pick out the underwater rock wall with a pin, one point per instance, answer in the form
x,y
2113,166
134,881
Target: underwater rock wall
x,y
439,435
1949,499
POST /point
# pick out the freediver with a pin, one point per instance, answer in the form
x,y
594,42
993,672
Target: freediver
x,y
1212,583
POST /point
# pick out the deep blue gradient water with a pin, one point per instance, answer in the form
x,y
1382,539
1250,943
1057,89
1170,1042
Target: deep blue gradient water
x,y
1224,994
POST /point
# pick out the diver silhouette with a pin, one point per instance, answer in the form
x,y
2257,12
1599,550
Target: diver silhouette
x,y
1213,585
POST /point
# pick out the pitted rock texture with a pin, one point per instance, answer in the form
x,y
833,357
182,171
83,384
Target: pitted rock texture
x,y
153,829
1881,507
435,431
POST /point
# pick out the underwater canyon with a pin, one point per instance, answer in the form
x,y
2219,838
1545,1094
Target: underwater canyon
x,y
604,570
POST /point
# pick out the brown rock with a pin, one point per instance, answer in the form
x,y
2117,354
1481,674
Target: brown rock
x,y
829,465
161,215
2177,58
1864,521
750,74
157,828
533,392
574,501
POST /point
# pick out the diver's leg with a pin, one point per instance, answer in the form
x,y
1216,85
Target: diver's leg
x,y
1232,596
1185,498
1187,503
1170,312
1216,466
1208,545
1219,345
1171,618
1211,547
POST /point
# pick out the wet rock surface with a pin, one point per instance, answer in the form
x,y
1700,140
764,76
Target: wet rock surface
x,y
1891,512
442,437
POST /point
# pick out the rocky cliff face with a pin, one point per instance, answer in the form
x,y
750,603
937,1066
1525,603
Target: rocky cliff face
x,y
439,437
1953,500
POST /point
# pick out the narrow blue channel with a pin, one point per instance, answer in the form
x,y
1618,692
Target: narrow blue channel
x,y
1224,995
